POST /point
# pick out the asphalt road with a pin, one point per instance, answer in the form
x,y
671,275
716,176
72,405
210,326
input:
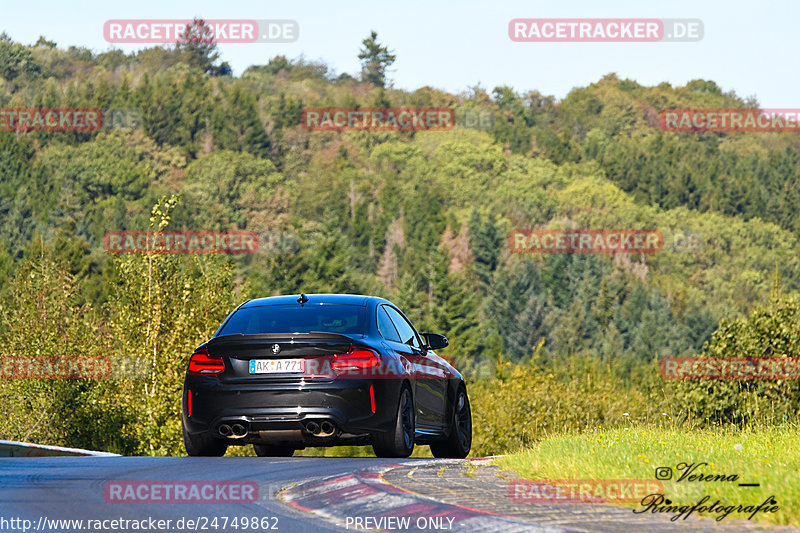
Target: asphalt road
x,y
91,488
297,494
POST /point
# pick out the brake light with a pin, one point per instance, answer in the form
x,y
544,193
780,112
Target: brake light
x,y
202,363
354,360
372,398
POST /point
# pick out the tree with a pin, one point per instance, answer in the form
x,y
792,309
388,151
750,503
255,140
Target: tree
x,y
16,59
198,49
485,241
164,306
375,60
512,127
236,122
45,42
40,316
453,310
518,308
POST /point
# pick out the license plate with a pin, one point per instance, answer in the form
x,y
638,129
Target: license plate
x,y
276,366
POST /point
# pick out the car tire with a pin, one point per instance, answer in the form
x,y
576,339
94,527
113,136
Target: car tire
x,y
399,442
267,450
459,439
202,445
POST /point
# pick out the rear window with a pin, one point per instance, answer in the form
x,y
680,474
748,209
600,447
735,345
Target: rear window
x,y
330,318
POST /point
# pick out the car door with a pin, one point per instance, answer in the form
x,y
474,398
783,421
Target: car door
x,y
429,383
408,351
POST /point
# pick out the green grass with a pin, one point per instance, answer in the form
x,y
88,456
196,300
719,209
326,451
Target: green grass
x,y
769,456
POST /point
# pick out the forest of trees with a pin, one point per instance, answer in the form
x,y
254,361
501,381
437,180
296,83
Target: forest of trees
x,y
421,218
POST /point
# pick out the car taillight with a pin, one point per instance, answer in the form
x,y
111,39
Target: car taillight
x,y
372,398
202,363
354,360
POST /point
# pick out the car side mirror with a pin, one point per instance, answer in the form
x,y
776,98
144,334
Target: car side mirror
x,y
434,341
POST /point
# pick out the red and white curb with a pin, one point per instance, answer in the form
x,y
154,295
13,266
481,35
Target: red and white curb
x,y
381,506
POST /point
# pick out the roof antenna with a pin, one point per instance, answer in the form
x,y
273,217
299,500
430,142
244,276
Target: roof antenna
x,y
303,299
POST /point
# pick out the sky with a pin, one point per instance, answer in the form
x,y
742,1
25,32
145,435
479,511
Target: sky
x,y
748,47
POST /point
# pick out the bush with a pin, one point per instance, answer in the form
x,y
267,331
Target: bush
x,y
513,413
771,331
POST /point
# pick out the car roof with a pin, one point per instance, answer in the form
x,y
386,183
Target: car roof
x,y
341,299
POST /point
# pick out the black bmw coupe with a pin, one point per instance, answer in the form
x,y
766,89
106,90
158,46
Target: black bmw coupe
x,y
287,372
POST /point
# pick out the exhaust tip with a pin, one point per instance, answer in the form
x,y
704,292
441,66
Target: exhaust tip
x,y
312,427
326,428
224,430
238,430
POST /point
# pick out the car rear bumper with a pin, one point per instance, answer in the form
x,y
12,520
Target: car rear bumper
x,y
279,413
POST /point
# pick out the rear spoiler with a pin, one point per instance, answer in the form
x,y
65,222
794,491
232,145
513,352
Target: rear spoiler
x,y
284,337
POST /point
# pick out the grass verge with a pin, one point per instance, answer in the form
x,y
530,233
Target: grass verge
x,y
768,456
